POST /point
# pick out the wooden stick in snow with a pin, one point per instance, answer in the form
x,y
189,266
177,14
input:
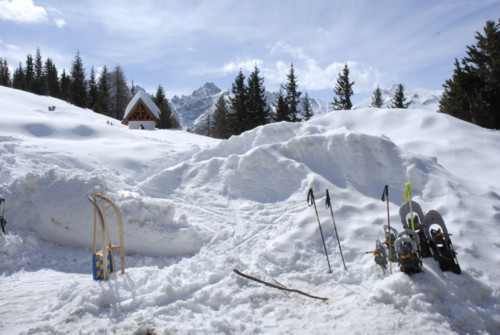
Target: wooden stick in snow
x,y
276,286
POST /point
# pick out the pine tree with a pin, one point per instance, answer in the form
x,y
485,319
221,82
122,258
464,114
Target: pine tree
x,y
399,99
78,91
258,112
377,100
220,124
92,89
239,116
306,107
4,73
119,93
161,101
18,78
101,105
292,95
39,80
51,78
281,112
343,90
29,74
472,94
65,86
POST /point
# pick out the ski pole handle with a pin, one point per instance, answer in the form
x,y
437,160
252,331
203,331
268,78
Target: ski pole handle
x,y
385,192
310,197
328,204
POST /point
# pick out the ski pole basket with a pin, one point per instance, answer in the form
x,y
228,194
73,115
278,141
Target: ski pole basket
x,y
103,259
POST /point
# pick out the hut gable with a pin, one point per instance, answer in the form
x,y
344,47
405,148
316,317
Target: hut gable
x,y
141,112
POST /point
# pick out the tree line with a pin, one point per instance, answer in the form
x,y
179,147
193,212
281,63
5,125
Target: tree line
x,y
107,94
472,94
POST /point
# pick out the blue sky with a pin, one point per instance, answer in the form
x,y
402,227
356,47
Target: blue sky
x,y
183,44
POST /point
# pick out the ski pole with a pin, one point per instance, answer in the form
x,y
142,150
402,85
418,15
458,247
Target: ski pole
x,y
329,205
385,197
311,202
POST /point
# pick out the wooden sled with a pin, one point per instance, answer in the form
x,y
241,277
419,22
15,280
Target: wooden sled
x,y
103,259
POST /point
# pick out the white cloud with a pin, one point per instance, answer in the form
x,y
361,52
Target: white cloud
x,y
24,11
60,22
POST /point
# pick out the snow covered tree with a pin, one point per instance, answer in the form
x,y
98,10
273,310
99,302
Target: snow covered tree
x,y
220,119
306,108
377,101
78,91
258,112
343,90
238,101
472,94
399,99
292,95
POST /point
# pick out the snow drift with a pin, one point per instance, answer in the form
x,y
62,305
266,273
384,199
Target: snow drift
x,y
195,208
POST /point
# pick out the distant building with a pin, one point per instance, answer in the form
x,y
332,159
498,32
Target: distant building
x,y
141,112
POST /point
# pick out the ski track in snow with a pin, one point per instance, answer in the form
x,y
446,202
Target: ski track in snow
x,y
196,208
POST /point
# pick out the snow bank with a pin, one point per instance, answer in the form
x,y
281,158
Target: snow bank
x,y
196,208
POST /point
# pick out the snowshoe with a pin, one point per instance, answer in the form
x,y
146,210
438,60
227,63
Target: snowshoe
x,y
380,254
407,214
417,215
408,254
439,242
390,238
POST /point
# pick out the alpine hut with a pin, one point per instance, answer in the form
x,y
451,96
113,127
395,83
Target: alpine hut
x,y
141,112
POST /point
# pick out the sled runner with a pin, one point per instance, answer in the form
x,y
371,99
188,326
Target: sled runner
x,y
439,242
103,259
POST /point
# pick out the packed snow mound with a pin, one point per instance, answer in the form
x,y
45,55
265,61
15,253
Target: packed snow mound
x,y
196,208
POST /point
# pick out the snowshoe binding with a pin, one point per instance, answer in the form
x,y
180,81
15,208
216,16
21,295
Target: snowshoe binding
x,y
412,218
380,254
439,242
406,246
390,237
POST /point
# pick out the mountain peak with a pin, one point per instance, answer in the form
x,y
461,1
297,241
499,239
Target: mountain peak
x,y
206,90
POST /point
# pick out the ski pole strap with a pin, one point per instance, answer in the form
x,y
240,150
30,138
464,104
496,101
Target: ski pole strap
x,y
328,203
310,197
385,192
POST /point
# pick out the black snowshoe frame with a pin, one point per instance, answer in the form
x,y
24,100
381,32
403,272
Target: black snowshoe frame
x,y
406,246
439,241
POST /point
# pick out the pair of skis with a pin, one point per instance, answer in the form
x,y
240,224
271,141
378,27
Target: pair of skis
x,y
311,202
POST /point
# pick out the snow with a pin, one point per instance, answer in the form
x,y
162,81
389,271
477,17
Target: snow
x,y
195,208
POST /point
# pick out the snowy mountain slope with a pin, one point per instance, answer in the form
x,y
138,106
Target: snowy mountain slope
x,y
195,208
193,110
417,98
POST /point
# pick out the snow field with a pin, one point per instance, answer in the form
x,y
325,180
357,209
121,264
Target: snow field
x,y
195,208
